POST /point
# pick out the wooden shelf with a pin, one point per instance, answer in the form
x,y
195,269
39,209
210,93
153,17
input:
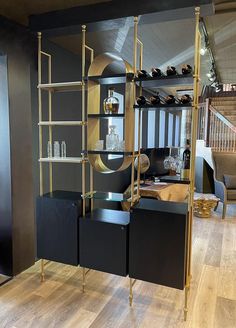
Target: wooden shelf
x,y
165,106
115,79
62,123
75,160
106,116
165,81
61,87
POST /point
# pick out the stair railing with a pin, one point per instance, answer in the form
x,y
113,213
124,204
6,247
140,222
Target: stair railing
x,y
217,131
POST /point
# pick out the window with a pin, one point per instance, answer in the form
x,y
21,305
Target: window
x,y
151,129
162,129
170,130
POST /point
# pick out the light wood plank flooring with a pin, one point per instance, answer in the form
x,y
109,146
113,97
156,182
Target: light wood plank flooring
x,y
59,302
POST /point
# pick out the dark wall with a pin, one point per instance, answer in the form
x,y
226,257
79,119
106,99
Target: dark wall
x,y
16,178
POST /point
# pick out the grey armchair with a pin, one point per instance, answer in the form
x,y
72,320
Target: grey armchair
x,y
224,163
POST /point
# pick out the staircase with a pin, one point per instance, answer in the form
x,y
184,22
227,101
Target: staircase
x,y
226,106
217,127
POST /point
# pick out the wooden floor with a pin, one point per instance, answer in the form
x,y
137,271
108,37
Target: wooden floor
x,y
59,302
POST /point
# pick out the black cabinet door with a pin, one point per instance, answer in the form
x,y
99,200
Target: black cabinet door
x,y
104,244
57,229
158,244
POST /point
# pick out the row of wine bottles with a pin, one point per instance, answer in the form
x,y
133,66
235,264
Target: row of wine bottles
x,y
170,71
157,100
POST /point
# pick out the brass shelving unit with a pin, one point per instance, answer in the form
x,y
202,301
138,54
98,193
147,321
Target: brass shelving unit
x,y
92,84
51,88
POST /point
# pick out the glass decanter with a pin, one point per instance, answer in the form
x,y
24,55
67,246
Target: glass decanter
x,y
111,103
112,139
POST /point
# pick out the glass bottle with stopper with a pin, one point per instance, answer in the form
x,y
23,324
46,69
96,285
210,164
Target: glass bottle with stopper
x,y
111,103
112,139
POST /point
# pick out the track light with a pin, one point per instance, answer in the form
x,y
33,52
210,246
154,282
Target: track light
x,y
203,51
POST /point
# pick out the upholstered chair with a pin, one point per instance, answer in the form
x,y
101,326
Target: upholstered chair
x,y
224,165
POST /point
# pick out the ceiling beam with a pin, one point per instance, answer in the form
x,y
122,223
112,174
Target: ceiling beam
x,y
112,15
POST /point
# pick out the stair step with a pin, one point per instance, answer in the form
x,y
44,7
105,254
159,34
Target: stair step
x,y
223,98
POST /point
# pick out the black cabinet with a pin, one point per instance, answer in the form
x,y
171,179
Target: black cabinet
x,y
104,241
58,226
158,242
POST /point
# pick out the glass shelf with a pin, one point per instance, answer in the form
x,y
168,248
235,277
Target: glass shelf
x,y
76,160
107,196
114,79
110,152
105,116
62,123
168,81
174,179
165,106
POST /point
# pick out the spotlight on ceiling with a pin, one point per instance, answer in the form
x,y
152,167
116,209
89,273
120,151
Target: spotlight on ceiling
x,y
203,51
217,88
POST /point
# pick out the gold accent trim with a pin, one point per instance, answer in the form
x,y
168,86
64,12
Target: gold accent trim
x,y
93,131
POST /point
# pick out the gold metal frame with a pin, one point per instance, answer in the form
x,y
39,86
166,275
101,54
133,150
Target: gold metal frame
x,y
82,123
194,126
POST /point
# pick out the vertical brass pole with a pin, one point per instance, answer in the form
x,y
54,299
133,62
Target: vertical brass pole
x,y
50,117
130,292
139,120
40,112
40,129
83,119
193,152
134,86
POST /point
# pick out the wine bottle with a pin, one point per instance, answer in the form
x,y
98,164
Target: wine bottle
x,y
155,100
186,156
142,74
156,72
186,69
171,70
141,101
170,99
185,99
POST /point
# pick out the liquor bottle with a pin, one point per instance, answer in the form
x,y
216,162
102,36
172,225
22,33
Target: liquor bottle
x,y
171,70
185,99
156,72
155,100
142,74
56,149
112,139
63,149
186,69
141,101
111,103
186,156
170,100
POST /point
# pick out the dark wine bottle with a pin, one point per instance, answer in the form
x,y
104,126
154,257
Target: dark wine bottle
x,y
155,100
185,99
142,74
171,70
170,100
186,69
156,72
186,156
141,101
